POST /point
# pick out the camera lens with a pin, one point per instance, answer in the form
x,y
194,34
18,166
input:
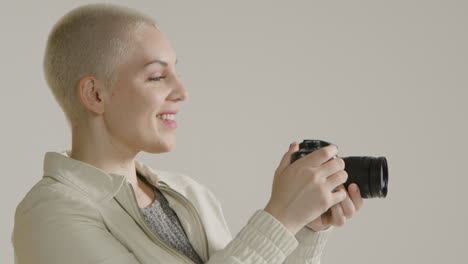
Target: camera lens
x,y
369,173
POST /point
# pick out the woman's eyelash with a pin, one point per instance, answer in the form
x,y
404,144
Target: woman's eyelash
x,y
157,78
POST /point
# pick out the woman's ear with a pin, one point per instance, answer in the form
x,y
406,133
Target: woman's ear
x,y
91,94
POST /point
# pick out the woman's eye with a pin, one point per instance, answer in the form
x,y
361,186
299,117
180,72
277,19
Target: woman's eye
x,y
157,79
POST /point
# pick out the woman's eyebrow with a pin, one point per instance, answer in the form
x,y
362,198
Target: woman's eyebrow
x,y
163,63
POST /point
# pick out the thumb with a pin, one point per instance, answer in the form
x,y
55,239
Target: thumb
x,y
286,160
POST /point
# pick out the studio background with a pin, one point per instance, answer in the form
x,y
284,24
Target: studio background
x,y
377,78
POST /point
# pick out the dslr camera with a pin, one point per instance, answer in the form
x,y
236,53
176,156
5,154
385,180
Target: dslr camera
x,y
369,173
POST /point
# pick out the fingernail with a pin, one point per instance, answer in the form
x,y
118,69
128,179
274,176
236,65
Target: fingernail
x,y
353,187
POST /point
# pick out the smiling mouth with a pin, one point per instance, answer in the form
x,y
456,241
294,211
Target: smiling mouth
x,y
168,122
166,117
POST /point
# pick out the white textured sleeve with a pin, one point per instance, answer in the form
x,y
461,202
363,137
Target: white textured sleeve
x,y
263,240
310,248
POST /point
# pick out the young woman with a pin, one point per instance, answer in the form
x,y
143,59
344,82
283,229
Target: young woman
x,y
113,73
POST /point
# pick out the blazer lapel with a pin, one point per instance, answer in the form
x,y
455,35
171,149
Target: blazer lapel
x,y
126,198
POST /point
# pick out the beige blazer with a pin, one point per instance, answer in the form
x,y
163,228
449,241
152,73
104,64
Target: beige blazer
x,y
78,213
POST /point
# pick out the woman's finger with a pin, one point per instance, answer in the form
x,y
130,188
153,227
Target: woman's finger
x,y
338,217
331,167
355,196
326,218
348,207
335,181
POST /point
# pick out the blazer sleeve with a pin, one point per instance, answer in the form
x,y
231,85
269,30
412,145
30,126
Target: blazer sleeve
x,y
311,246
265,240
51,231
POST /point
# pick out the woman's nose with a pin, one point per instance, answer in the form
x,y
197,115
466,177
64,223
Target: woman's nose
x,y
180,91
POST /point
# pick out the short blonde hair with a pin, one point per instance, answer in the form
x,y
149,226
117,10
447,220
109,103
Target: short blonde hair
x,y
89,40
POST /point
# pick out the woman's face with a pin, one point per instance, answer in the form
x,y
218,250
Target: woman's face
x,y
143,89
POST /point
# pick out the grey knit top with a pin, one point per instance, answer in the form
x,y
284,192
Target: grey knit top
x,y
165,223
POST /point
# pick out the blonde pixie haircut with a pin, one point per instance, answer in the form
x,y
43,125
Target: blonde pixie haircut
x,y
89,40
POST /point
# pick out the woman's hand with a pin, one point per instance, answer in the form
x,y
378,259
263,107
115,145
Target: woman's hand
x,y
340,212
303,191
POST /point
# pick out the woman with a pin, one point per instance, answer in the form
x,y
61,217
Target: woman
x,y
113,73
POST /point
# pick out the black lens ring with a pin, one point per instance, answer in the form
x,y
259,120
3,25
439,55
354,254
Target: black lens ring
x,y
378,177
373,173
385,176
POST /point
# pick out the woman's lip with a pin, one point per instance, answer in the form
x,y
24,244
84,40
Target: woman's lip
x,y
169,123
169,113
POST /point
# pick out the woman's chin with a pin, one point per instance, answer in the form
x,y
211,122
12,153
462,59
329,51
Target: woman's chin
x,y
161,146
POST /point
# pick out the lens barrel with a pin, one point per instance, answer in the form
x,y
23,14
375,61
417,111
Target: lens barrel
x,y
369,173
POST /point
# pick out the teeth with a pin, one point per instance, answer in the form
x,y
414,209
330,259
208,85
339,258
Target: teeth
x,y
166,116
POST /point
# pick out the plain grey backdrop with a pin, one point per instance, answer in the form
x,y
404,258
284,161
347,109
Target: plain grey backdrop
x,y
377,78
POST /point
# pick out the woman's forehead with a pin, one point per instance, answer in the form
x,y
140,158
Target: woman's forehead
x,y
153,46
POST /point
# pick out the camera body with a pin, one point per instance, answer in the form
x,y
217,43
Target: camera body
x,y
369,173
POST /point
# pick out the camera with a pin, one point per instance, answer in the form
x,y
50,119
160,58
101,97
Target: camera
x,y
369,173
